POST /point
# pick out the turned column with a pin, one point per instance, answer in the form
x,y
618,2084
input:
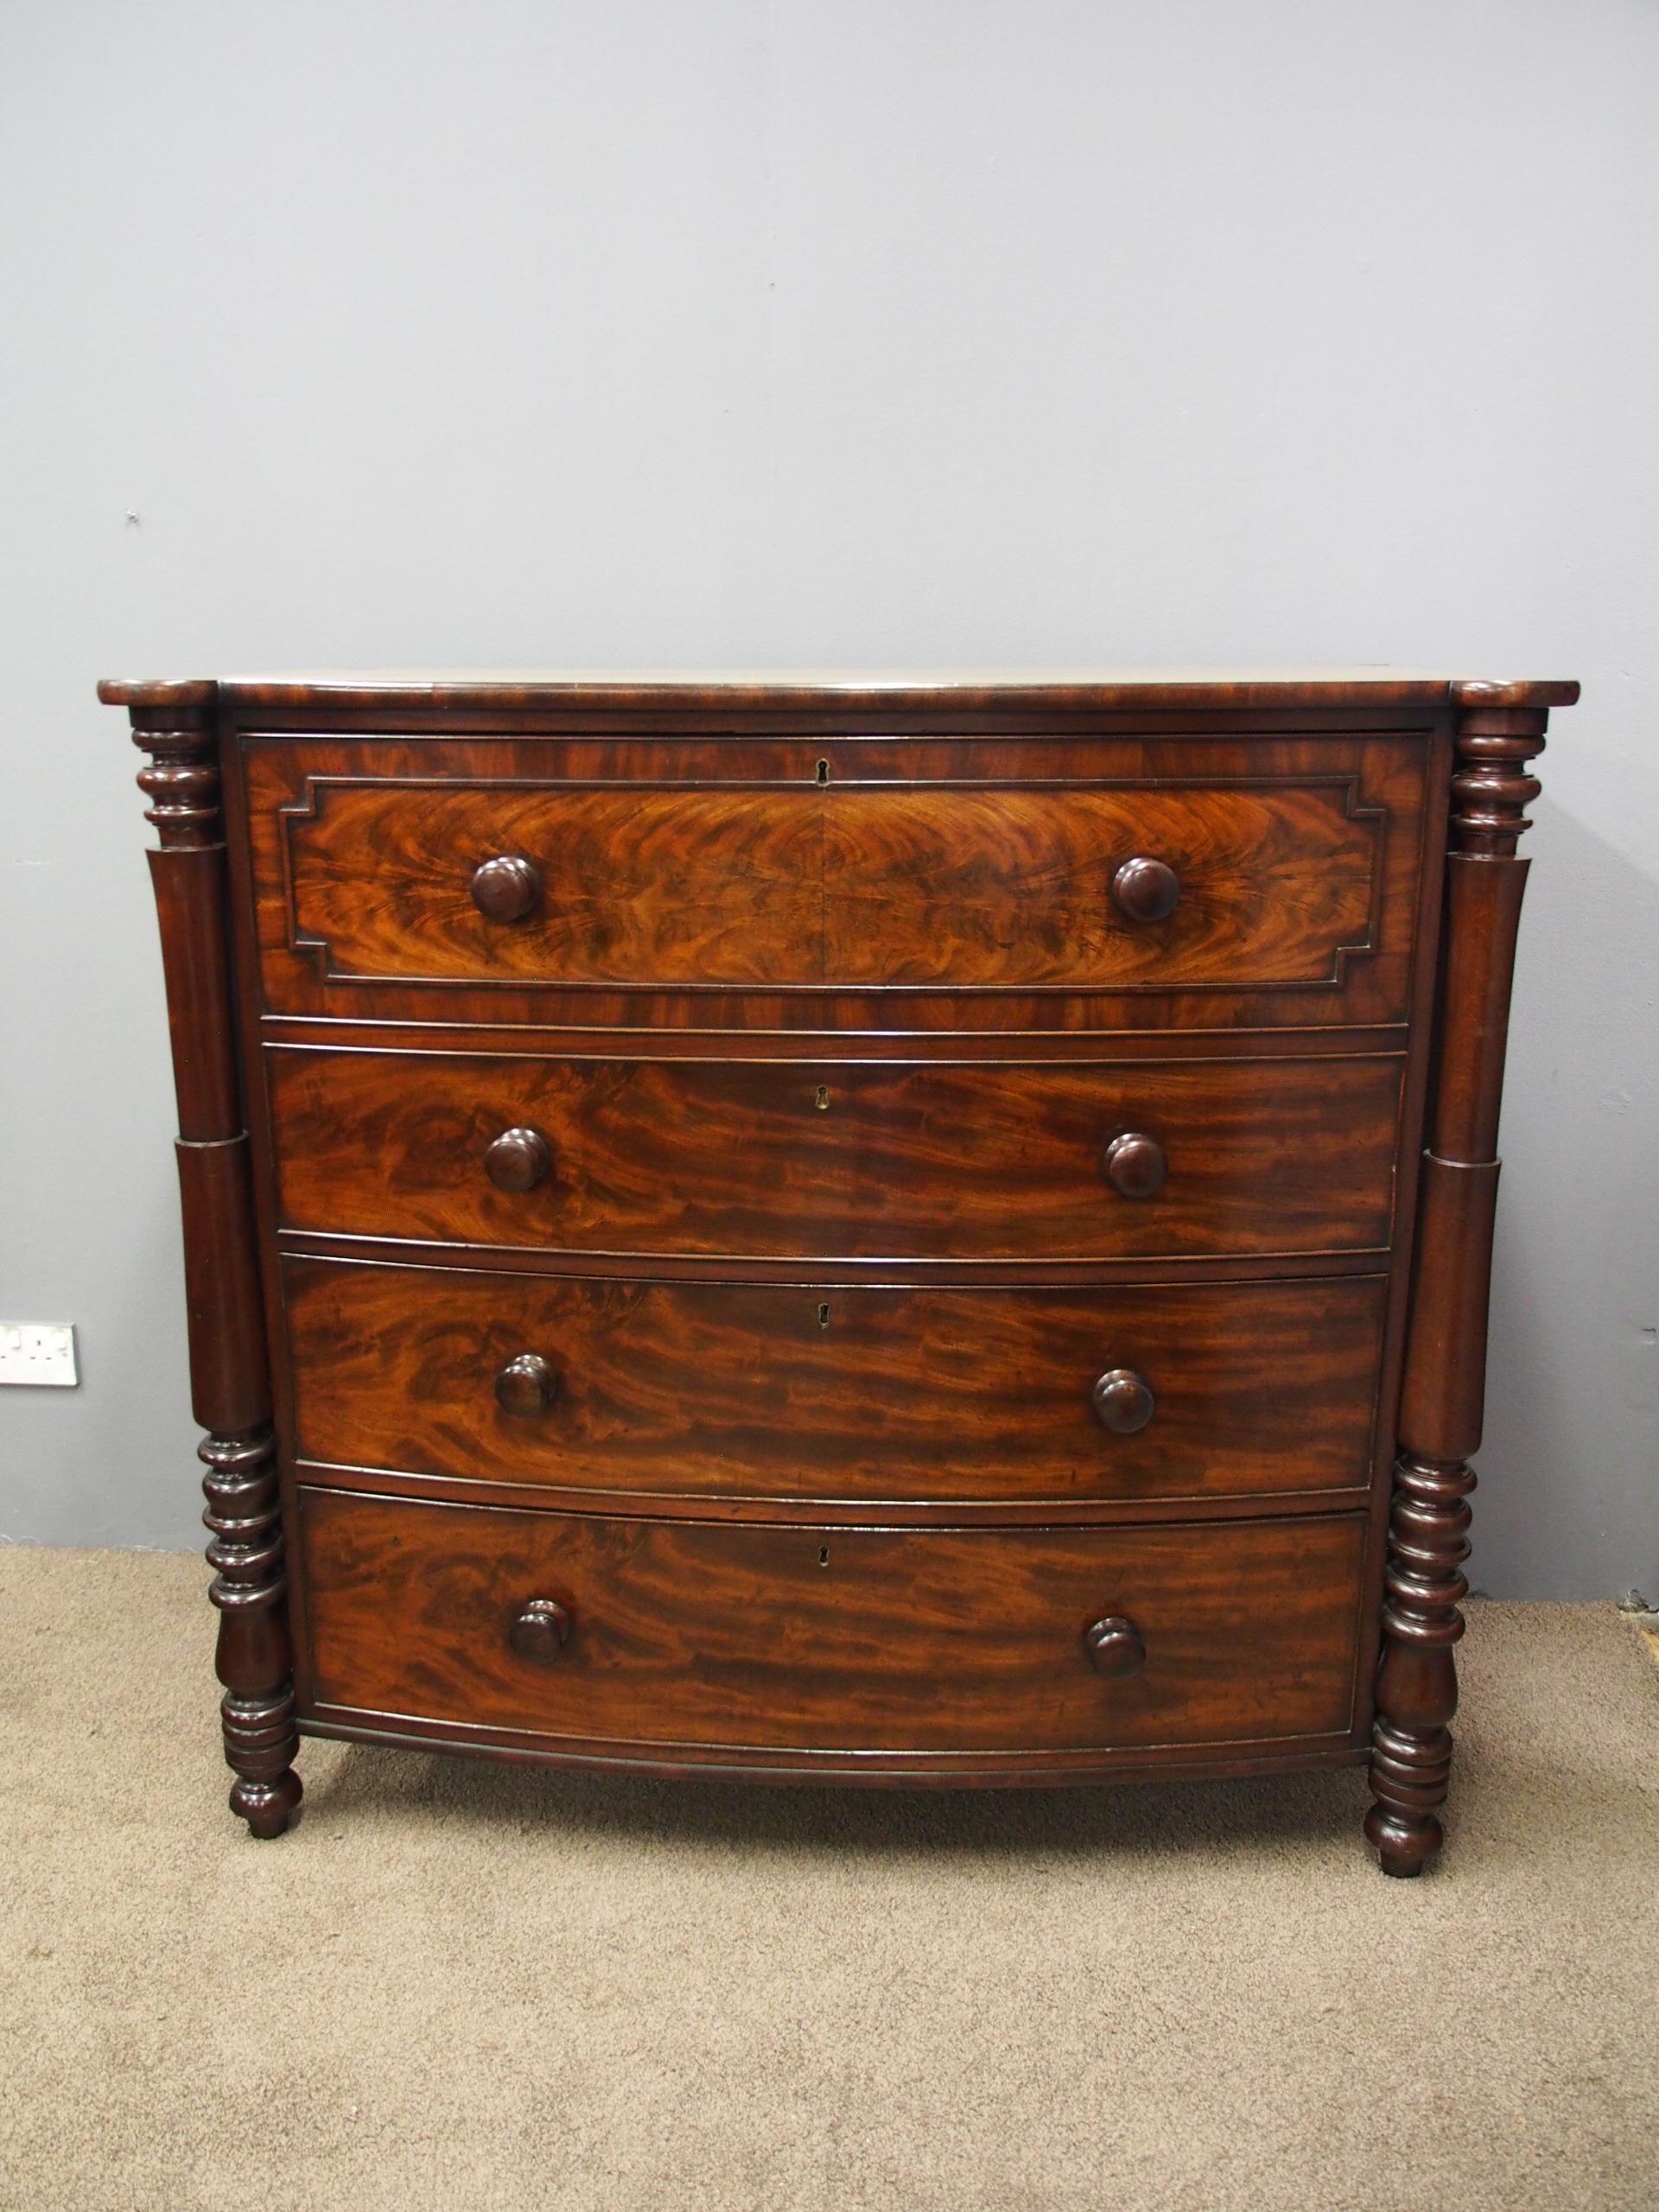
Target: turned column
x,y
229,1375
1444,1392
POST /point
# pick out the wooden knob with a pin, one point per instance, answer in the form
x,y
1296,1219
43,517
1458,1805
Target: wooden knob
x,y
1114,1648
518,1160
1146,890
527,1385
506,889
1134,1164
540,1631
1122,1401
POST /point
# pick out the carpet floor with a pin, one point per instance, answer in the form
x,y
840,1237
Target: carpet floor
x,y
454,1985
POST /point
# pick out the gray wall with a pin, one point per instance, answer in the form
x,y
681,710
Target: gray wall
x,y
888,331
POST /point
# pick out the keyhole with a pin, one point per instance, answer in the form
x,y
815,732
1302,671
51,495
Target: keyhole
x,y
821,1102
823,1317
823,772
824,1555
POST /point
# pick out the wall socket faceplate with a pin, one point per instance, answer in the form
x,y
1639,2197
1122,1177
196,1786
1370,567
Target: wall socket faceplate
x,y
38,1352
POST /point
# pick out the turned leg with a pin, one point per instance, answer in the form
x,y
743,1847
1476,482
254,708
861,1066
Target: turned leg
x,y
255,1662
1443,1394
229,1385
1417,1686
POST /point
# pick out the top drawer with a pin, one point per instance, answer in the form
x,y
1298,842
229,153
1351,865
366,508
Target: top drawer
x,y
505,879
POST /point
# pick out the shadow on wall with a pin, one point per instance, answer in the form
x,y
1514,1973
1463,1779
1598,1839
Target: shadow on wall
x,y
1570,1459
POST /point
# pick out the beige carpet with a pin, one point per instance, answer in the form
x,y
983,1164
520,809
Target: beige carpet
x,y
461,1986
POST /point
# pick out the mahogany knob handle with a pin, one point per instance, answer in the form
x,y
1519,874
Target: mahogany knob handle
x,y
518,1160
1146,890
506,889
540,1631
1135,1164
1122,1401
1114,1648
527,1385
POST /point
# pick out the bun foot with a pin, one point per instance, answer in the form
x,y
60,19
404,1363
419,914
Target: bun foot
x,y
1404,1845
260,1743
267,1807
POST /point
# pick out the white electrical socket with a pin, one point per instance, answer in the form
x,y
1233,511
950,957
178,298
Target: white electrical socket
x,y
38,1352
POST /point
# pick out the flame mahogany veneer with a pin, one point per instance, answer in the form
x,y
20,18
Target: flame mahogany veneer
x,y
842,1227
842,1393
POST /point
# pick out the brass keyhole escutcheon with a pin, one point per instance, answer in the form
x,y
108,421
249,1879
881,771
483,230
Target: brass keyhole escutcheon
x,y
822,1101
823,1554
823,1316
823,772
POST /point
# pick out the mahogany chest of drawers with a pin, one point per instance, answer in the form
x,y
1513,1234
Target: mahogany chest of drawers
x,y
875,1229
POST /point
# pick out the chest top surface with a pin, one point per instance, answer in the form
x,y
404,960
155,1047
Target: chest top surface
x,y
1083,689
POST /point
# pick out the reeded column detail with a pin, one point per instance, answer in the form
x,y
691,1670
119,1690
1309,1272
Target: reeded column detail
x,y
1443,1395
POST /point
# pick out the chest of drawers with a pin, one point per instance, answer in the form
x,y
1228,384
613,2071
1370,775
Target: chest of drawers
x,y
910,1230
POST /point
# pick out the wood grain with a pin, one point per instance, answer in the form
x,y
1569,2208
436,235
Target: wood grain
x,y
927,1160
850,883
831,885
758,1635
828,1392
